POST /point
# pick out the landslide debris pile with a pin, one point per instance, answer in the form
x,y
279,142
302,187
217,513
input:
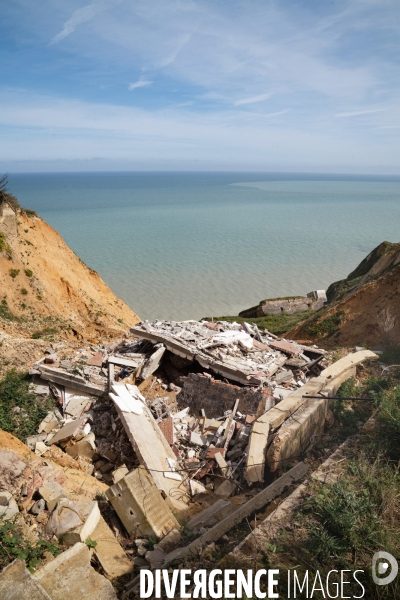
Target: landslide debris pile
x,y
175,424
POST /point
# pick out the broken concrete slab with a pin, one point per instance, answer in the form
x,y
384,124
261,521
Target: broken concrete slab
x,y
153,452
152,363
140,505
82,448
73,381
271,420
256,503
69,430
211,515
297,433
71,577
109,552
16,583
49,423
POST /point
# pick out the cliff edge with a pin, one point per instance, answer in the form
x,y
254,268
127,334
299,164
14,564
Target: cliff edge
x,y
364,308
45,287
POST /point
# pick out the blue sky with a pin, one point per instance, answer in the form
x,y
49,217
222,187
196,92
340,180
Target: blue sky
x,y
200,84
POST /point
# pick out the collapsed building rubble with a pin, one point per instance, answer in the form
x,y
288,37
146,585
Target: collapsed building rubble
x,y
178,422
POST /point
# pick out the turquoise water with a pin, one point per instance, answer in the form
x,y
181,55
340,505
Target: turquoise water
x,y
186,245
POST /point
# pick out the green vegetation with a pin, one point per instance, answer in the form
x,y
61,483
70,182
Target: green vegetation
x,y
13,545
46,332
5,312
277,324
344,521
20,411
28,272
13,273
24,291
324,327
3,244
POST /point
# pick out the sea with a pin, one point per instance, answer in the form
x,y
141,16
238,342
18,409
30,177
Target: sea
x,y
189,245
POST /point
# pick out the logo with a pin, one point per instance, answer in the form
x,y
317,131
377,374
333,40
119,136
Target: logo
x,y
381,562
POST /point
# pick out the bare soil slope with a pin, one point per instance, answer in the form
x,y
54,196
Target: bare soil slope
x,y
44,285
364,308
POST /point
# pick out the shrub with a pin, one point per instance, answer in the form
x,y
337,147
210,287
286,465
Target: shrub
x,y
13,545
14,392
13,273
28,272
24,291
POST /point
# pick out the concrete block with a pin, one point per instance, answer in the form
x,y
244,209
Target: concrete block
x,y
71,577
8,506
82,448
109,553
51,493
16,583
140,505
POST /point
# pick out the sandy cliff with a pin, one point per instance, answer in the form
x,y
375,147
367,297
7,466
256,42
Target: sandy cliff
x,y
364,308
43,284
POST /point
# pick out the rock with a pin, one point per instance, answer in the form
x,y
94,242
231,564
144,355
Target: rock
x,y
71,577
8,506
155,558
142,550
33,439
16,583
138,561
38,507
225,489
69,430
51,493
82,448
40,448
74,521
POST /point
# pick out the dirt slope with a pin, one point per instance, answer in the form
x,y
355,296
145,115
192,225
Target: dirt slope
x,y
43,284
364,308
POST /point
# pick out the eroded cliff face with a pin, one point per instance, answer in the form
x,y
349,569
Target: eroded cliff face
x,y
364,308
44,285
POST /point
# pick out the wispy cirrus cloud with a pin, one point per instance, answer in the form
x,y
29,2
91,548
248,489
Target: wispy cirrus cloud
x,y
82,15
253,99
358,113
139,84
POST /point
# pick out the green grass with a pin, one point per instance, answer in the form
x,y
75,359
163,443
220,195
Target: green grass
x,y
14,392
277,324
342,523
